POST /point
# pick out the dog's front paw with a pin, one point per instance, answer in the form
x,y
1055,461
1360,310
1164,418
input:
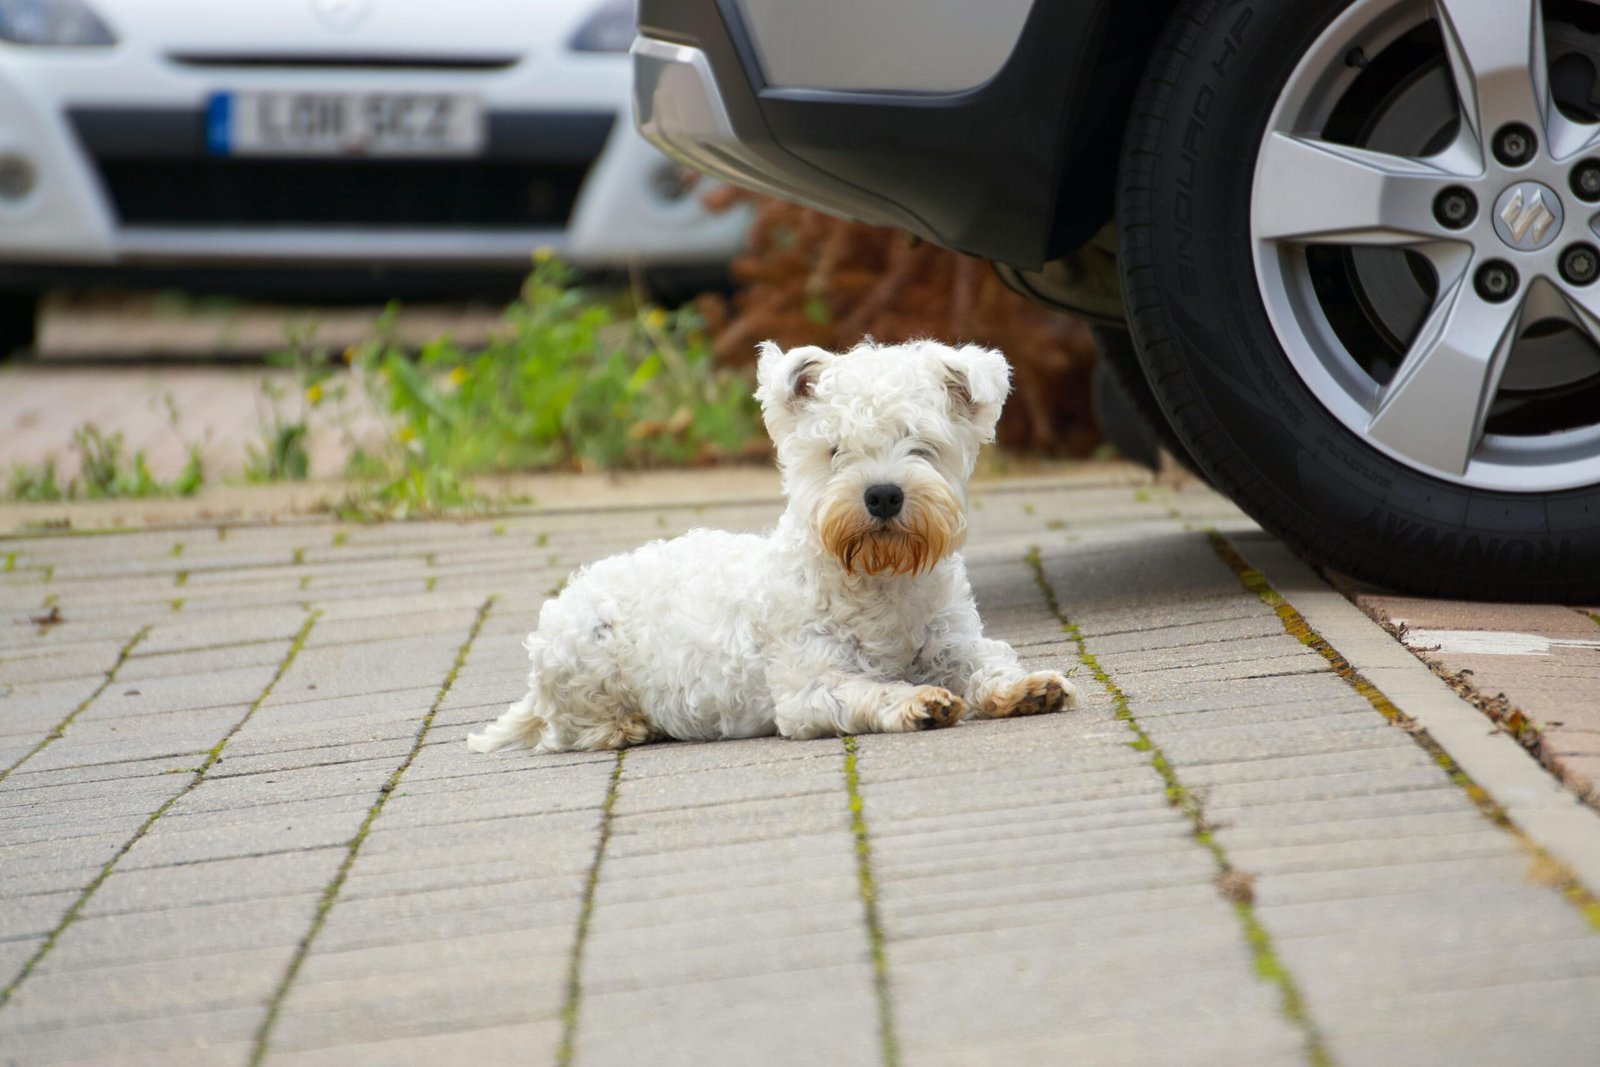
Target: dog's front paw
x,y
1037,694
929,708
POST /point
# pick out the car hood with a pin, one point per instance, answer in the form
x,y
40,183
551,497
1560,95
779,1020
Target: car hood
x,y
345,27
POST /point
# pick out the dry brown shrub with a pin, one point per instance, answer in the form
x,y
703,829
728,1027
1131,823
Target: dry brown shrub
x,y
809,278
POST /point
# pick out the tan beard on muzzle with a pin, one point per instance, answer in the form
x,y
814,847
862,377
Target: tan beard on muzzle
x,y
930,528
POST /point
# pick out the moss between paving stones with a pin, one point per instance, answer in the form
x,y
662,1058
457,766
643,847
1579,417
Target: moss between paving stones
x,y
330,892
888,1039
199,775
1232,884
61,727
1544,867
580,938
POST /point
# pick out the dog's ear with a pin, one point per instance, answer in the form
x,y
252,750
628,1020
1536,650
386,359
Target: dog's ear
x,y
978,380
785,382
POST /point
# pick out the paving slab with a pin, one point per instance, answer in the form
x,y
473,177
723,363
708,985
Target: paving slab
x,y
257,835
1532,668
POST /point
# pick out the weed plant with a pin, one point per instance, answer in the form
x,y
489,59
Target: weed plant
x,y
107,472
280,455
569,381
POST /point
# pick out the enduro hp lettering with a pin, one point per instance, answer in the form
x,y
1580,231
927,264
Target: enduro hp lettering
x,y
1183,203
1183,208
1230,44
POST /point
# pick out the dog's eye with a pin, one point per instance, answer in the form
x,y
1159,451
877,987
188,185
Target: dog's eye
x,y
833,453
922,452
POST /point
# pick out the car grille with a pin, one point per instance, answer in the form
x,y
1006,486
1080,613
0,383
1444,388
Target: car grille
x,y
155,171
366,193
340,61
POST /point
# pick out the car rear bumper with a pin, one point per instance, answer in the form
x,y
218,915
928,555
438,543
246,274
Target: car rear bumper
x,y
680,108
1017,169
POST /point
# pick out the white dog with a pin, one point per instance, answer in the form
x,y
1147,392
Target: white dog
x,y
853,616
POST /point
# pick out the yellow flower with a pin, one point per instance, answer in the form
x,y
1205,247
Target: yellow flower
x,y
350,354
314,395
543,254
655,318
406,434
458,375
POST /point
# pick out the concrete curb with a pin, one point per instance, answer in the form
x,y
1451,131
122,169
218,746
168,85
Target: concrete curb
x,y
550,493
1531,797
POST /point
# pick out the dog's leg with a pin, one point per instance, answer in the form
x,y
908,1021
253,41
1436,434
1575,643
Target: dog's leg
x,y
580,726
821,688
838,704
1038,693
989,675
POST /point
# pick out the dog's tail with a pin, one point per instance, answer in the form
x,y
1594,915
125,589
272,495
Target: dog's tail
x,y
519,727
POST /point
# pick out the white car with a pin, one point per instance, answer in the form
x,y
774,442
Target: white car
x,y
172,142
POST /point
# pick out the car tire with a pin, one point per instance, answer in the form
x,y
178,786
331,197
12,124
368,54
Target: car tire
x,y
19,323
1128,412
1220,365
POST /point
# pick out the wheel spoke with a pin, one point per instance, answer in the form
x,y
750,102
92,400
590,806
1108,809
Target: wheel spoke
x,y
1568,137
1315,192
1583,311
1497,62
1434,409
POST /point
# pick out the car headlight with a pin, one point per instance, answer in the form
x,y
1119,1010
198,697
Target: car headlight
x,y
61,23
609,29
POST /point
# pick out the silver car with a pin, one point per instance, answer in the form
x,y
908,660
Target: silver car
x,y
1343,252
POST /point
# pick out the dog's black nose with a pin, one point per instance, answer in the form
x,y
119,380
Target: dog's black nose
x,y
884,501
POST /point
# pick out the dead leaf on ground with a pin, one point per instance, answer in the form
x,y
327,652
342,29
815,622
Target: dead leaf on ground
x,y
1238,887
53,617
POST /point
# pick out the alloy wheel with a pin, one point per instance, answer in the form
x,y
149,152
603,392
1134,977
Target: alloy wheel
x,y
1424,226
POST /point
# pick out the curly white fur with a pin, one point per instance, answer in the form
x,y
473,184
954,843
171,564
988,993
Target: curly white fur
x,y
835,622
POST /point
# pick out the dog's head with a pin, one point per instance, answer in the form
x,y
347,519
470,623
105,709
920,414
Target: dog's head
x,y
876,445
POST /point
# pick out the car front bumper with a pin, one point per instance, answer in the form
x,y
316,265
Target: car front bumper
x,y
115,144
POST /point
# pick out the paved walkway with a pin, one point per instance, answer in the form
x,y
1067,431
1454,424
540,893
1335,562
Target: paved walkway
x,y
239,824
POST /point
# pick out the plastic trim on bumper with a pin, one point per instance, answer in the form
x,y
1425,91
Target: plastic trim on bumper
x,y
679,109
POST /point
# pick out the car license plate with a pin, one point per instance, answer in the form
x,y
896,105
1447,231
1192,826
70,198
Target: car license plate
x,y
340,124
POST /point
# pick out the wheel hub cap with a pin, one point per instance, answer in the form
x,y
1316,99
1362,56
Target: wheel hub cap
x,y
1463,345
1528,216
